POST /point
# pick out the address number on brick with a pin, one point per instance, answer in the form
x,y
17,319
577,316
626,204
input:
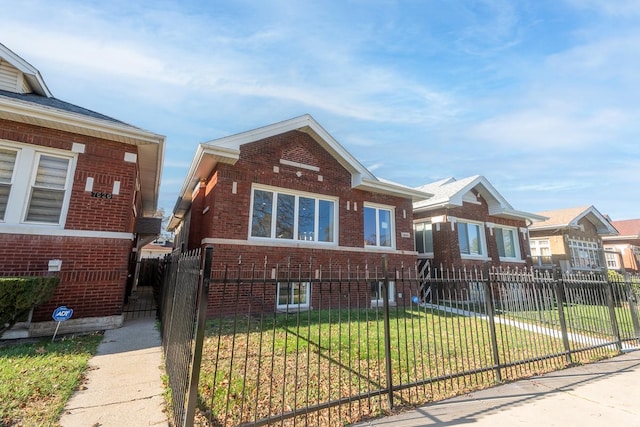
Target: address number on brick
x,y
101,195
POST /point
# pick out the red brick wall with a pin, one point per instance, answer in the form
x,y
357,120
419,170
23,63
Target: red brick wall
x,y
93,275
227,214
104,161
94,270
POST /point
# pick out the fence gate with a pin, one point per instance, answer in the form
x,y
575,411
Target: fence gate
x,y
143,299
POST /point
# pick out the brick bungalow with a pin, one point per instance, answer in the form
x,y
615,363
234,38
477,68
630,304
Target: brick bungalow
x,y
468,223
571,239
289,194
78,192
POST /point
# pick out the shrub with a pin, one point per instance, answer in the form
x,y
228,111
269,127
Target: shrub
x,y
18,295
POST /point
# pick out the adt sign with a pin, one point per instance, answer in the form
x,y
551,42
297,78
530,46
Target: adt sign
x,y
61,314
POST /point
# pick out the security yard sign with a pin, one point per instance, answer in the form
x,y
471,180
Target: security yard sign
x,y
61,314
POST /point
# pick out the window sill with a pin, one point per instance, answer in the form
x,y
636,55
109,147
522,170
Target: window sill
x,y
514,260
476,257
292,310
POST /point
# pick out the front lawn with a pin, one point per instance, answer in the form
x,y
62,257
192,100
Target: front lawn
x,y
37,379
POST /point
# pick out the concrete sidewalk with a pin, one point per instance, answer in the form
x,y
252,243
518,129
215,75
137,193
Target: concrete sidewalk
x,y
597,394
123,386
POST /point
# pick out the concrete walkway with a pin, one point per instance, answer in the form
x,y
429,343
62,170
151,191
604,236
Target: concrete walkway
x,y
597,394
123,386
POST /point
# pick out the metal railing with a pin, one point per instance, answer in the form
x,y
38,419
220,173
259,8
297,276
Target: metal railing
x,y
328,345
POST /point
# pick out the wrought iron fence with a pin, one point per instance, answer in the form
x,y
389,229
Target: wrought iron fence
x,y
327,345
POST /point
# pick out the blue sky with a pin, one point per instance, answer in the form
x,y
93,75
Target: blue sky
x,y
541,97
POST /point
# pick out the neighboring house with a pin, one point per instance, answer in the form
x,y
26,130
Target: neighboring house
x,y
624,249
570,239
468,223
78,191
156,249
289,194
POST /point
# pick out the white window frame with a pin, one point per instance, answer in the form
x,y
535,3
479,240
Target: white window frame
x,y
516,242
297,195
289,306
376,297
577,251
27,160
392,225
481,234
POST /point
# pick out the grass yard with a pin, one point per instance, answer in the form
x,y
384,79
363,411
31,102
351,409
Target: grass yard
x,y
255,367
37,379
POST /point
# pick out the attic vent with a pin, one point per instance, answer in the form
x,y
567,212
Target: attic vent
x,y
11,79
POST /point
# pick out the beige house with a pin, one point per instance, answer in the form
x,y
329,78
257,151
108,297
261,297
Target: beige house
x,y
623,250
570,239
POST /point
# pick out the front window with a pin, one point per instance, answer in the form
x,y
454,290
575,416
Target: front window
x,y
612,256
378,226
281,215
423,233
293,295
41,192
584,254
540,251
507,239
471,239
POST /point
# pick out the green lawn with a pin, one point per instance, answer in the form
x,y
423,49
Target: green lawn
x,y
283,362
37,379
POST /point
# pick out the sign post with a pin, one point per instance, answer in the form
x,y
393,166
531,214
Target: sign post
x,y
61,314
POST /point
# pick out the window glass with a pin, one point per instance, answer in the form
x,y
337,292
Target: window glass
x,y
282,215
306,218
7,164
423,234
325,221
470,238
262,208
47,193
285,220
370,234
506,242
293,295
385,227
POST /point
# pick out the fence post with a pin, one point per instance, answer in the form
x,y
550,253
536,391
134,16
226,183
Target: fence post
x,y
196,358
488,298
632,300
612,314
557,285
387,330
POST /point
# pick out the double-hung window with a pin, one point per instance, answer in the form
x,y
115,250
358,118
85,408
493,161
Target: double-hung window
x,y
507,240
40,193
471,239
378,226
277,214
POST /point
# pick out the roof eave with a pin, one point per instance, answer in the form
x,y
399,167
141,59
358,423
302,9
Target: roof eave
x,y
376,186
204,162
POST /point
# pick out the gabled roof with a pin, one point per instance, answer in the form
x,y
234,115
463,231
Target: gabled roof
x,y
629,229
227,150
31,74
40,108
570,217
450,192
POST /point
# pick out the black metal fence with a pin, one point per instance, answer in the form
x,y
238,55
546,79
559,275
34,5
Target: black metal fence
x,y
327,345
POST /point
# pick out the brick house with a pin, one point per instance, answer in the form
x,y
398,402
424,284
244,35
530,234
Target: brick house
x,y
623,250
570,239
78,191
468,223
289,194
